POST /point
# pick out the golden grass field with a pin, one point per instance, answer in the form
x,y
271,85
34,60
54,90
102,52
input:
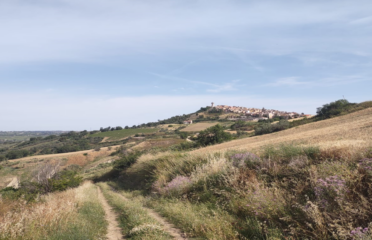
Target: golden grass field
x,y
198,127
23,167
352,130
57,155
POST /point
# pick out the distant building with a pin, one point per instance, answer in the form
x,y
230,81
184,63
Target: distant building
x,y
187,122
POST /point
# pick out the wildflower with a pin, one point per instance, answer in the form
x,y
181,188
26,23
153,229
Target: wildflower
x,y
178,183
330,189
244,159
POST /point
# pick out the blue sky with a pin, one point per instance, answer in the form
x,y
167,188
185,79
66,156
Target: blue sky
x,y
79,64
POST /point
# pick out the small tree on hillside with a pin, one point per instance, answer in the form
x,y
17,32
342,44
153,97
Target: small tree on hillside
x,y
334,108
213,135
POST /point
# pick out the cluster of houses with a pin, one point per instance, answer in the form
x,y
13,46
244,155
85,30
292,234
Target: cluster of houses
x,y
255,114
252,114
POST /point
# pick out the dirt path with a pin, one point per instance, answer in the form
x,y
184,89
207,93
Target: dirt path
x,y
113,229
168,227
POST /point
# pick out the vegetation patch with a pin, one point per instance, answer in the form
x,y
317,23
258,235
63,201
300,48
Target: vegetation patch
x,y
72,214
120,134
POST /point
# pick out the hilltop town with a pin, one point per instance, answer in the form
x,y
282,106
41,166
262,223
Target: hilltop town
x,y
254,113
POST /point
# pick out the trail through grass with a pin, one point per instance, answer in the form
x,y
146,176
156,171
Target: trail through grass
x,y
135,221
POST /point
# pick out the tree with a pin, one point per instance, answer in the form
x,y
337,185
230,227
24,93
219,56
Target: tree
x,y
126,127
334,108
119,128
213,135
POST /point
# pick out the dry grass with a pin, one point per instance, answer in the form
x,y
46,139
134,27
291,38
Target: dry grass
x,y
50,216
82,160
160,143
198,127
350,130
60,155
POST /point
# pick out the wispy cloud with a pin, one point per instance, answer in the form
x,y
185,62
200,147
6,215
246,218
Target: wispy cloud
x,y
213,87
323,82
288,82
222,88
364,20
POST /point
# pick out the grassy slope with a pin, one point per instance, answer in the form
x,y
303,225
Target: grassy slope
x,y
119,134
270,198
196,127
353,129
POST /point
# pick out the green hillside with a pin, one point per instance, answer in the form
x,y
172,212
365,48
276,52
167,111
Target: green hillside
x,y
119,134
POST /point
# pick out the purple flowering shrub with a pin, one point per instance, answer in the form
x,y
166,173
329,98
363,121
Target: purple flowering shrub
x,y
366,165
329,190
245,159
360,233
178,184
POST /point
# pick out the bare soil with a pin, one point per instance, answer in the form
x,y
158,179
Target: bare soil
x,y
113,229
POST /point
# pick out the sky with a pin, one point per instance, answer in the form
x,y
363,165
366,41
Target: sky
x,y
86,64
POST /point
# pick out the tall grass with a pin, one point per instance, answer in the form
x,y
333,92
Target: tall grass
x,y
72,214
297,191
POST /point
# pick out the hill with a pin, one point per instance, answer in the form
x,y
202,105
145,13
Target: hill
x,y
309,180
354,130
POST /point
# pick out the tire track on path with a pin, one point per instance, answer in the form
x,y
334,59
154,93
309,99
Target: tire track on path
x,y
168,227
113,229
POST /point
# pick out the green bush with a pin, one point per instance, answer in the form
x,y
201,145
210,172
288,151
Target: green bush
x,y
266,128
17,154
64,180
126,161
213,135
334,108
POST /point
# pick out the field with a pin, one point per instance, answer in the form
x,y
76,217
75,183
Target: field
x,y
349,130
18,136
120,134
197,127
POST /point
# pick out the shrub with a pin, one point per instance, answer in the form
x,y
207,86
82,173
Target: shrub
x,y
245,159
366,165
213,135
330,190
64,180
334,108
17,154
126,161
266,128
177,185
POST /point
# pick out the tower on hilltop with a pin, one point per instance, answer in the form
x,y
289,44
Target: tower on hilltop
x,y
212,106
